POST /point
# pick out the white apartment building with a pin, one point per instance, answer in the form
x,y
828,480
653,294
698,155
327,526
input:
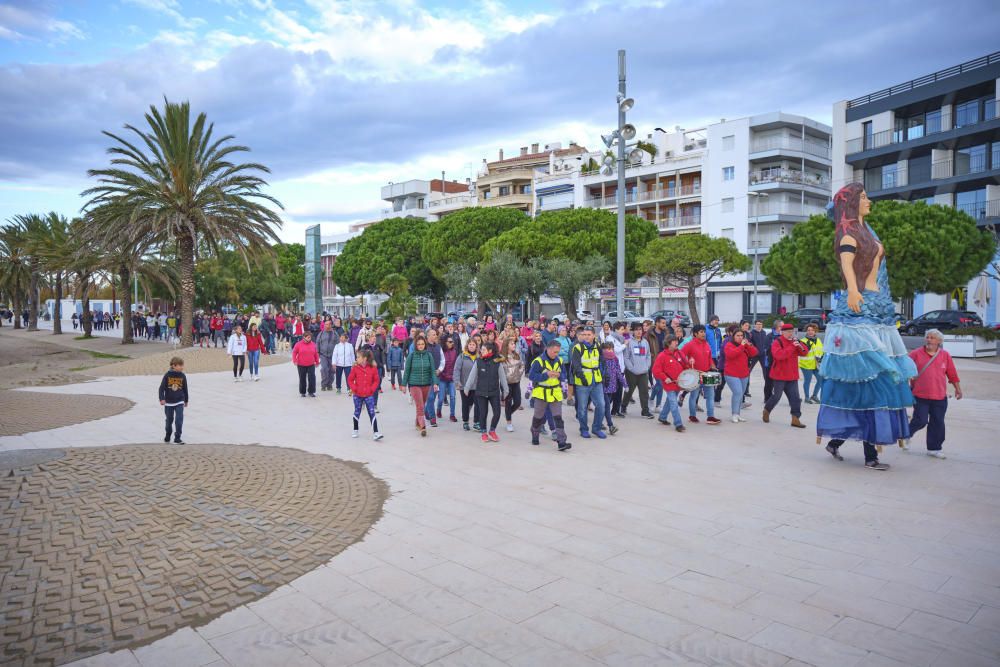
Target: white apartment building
x,y
748,179
430,200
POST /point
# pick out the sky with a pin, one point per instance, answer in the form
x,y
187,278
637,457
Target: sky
x,y
340,97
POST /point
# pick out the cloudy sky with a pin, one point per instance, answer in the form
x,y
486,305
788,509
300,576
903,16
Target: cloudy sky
x,y
341,97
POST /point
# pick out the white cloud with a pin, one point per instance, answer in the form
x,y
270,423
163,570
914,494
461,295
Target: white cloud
x,y
31,22
170,8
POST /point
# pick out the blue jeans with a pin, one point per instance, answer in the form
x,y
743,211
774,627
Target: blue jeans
x,y
253,356
429,405
807,377
446,386
270,343
670,407
709,392
585,394
738,387
656,393
929,413
175,420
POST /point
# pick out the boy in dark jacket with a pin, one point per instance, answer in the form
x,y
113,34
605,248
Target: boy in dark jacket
x,y
395,363
174,398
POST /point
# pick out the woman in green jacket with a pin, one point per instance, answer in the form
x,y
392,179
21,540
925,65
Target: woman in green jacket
x,y
421,378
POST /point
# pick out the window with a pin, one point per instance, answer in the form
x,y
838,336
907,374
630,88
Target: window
x,y
728,173
967,113
420,202
727,205
890,176
526,189
970,160
504,190
727,233
867,133
972,202
729,142
932,122
915,127
920,169
487,194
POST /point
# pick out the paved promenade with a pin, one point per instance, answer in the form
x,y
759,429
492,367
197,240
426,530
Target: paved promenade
x,y
727,545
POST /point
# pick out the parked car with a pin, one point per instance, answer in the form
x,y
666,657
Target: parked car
x,y
581,315
627,316
670,315
943,320
428,316
806,315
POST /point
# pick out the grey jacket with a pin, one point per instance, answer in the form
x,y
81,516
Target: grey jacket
x,y
637,356
325,342
463,369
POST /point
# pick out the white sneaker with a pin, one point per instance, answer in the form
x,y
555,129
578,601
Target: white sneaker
x,y
510,428
938,454
377,436
354,434
736,419
256,378
741,418
236,379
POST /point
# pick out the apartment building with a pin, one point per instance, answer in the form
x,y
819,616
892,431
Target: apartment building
x,y
430,200
935,138
748,179
509,182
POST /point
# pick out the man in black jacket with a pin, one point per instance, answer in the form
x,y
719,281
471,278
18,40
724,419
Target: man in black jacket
x,y
758,338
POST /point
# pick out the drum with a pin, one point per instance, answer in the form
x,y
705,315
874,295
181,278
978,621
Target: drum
x,y
689,379
711,379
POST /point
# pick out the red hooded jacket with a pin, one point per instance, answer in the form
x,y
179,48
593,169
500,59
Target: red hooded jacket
x,y
668,367
785,354
738,359
363,380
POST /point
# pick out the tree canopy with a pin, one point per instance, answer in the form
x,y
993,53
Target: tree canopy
x,y
689,261
225,279
928,248
390,246
568,277
459,238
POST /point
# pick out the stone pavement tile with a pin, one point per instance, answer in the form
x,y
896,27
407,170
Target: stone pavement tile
x,y
653,569
790,588
952,633
366,610
903,574
579,597
354,561
700,611
526,551
974,591
798,615
631,651
591,549
324,584
712,588
571,629
184,647
522,576
933,603
117,659
959,567
500,638
260,646
456,578
876,660
291,613
711,648
480,535
468,656
336,643
799,550
860,607
389,581
231,621
954,657
886,641
409,558
552,655
649,624
436,604
896,553
842,580
987,618
385,659
808,647
507,602
415,639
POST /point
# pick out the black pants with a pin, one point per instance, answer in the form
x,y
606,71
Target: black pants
x,y
342,371
469,403
753,363
513,401
307,376
616,401
929,413
871,454
396,376
175,420
239,360
484,403
722,385
791,390
640,382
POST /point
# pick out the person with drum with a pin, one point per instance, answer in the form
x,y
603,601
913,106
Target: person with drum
x,y
669,368
699,355
785,353
738,352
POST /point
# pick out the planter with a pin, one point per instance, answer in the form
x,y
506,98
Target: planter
x,y
969,347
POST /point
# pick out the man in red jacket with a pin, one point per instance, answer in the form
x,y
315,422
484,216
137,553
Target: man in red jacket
x,y
669,365
699,354
784,370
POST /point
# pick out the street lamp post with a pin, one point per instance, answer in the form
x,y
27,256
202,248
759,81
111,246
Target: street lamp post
x,y
756,251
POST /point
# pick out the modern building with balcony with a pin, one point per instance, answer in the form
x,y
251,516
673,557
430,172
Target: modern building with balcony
x,y
429,200
937,139
509,182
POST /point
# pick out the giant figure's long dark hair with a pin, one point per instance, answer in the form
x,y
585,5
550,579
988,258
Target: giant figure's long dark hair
x,y
847,222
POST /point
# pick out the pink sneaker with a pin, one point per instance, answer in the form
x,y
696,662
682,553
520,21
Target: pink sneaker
x,y
486,438
493,436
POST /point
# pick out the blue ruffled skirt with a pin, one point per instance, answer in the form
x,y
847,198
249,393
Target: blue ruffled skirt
x,y
866,372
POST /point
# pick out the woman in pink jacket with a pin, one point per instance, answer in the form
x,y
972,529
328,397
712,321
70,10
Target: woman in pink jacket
x,y
305,356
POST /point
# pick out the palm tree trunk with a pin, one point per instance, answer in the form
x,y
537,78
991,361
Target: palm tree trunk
x,y
125,276
185,251
17,308
86,320
33,297
57,314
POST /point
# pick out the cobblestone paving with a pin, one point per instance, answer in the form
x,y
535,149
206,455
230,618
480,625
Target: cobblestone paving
x,y
27,411
196,360
109,548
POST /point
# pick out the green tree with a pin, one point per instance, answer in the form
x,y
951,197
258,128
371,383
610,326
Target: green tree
x,y
568,277
689,261
15,270
400,303
460,237
928,248
504,279
460,282
35,230
52,246
390,246
181,183
576,234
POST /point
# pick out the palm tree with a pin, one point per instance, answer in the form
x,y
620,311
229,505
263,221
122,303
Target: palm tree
x,y
54,249
184,189
35,230
86,265
15,273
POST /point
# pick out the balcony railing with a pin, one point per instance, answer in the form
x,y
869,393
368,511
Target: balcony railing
x,y
926,79
784,208
679,221
788,143
460,200
982,209
788,176
931,126
645,196
507,200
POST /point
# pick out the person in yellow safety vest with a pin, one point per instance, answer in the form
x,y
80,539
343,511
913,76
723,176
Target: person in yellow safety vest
x,y
547,374
587,382
809,364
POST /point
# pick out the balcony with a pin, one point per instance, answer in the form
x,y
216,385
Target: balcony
x,y
931,127
679,222
404,213
512,201
789,176
940,75
507,175
981,211
789,144
794,209
439,206
632,198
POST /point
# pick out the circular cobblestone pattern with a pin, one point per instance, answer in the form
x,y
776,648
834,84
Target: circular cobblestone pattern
x,y
27,411
113,547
